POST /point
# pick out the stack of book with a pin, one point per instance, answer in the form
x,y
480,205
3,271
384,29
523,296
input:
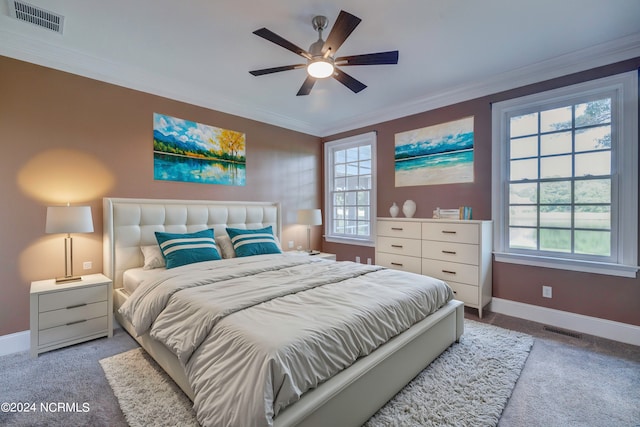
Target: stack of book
x,y
463,212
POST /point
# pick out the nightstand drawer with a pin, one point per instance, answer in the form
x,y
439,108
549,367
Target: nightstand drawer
x,y
454,252
399,262
50,319
462,273
451,232
395,245
72,297
84,328
466,293
410,230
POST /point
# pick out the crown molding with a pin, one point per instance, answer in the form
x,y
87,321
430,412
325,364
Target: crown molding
x,y
582,60
49,55
40,52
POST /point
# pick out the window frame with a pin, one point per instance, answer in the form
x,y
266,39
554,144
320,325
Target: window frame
x,y
623,89
369,138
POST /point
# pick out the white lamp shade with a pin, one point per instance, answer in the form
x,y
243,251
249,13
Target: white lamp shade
x,y
310,216
69,219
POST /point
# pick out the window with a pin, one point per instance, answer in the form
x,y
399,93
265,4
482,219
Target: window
x,y
565,177
350,172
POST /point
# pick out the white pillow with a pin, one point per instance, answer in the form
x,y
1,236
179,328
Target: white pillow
x,y
225,246
152,257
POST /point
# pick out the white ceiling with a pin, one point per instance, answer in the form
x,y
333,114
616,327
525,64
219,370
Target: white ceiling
x,y
201,51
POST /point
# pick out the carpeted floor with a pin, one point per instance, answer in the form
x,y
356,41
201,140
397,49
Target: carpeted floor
x,y
469,383
566,381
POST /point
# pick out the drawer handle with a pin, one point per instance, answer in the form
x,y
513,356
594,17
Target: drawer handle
x,y
397,264
397,228
76,306
449,252
448,271
77,321
397,246
448,232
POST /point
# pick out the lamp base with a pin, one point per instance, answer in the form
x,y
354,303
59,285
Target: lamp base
x,y
67,279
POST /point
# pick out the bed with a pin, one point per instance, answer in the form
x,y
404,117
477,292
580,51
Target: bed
x,y
349,396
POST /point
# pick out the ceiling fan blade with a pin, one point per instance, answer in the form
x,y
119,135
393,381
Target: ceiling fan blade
x,y
274,38
305,89
344,78
264,71
344,25
379,58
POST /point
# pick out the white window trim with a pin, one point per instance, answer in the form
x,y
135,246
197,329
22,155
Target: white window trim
x,y
626,86
369,138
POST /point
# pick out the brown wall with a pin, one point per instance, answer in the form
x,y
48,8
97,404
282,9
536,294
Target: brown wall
x,y
66,138
606,297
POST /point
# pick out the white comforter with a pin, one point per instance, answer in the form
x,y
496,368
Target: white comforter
x,y
255,333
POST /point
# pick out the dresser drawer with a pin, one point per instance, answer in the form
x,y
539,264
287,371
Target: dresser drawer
x,y
409,230
451,232
75,331
399,262
451,271
446,251
396,245
72,297
50,319
465,293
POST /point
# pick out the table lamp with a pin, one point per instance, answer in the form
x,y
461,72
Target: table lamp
x,y
310,217
68,219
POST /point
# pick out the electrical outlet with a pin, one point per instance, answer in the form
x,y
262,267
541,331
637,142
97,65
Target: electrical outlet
x,y
87,265
357,259
546,291
291,244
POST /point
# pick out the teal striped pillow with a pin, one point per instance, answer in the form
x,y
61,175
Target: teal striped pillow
x,y
258,241
183,249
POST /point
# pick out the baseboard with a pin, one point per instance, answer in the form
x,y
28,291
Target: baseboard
x,y
608,329
21,341
14,343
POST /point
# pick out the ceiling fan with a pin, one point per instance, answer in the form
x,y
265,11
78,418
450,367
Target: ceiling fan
x,y
321,62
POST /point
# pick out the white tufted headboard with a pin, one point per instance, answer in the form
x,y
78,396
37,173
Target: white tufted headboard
x,y
131,223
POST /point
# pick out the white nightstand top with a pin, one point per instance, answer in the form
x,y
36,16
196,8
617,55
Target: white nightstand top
x,y
50,285
323,255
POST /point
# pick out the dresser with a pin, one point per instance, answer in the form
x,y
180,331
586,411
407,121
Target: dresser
x,y
456,251
69,313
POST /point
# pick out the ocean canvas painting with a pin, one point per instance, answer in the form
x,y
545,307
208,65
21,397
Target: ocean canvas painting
x,y
193,152
439,154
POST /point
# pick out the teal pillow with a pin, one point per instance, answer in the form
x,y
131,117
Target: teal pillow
x,y
258,241
183,249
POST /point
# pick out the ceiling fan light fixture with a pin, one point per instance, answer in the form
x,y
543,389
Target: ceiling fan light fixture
x,y
320,68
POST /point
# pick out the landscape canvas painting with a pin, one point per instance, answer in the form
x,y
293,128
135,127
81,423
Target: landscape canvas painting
x,y
440,154
194,152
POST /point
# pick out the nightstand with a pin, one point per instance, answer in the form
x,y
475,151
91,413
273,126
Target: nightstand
x,y
70,313
323,255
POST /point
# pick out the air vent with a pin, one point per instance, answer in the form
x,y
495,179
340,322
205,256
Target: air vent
x,y
36,15
562,332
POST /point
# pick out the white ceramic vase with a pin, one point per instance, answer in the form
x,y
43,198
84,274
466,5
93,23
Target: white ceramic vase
x,y
409,208
394,210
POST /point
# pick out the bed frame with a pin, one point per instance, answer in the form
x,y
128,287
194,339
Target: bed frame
x,y
348,399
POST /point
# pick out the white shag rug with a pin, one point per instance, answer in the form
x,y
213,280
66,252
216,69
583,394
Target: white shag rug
x,y
468,385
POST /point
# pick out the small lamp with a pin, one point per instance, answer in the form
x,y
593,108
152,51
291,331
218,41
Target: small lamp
x,y
68,219
310,217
